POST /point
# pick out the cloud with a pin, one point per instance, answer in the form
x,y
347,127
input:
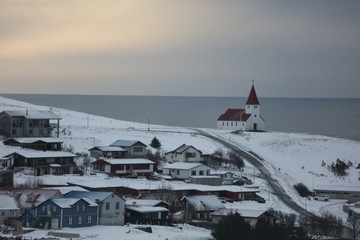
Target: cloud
x,y
161,47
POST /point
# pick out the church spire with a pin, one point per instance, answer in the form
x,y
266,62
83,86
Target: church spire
x,y
252,99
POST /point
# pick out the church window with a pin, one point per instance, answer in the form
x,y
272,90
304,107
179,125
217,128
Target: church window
x,y
255,115
236,124
227,124
223,123
231,123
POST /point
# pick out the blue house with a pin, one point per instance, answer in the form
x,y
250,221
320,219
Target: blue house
x,y
57,213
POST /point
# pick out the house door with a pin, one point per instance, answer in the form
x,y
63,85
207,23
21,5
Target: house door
x,y
55,223
255,127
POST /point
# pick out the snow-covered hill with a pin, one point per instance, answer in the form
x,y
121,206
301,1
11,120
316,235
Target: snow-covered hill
x,y
291,157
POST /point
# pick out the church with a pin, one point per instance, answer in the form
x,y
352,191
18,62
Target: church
x,y
248,119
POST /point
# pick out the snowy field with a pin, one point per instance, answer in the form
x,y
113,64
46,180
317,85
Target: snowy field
x,y
291,157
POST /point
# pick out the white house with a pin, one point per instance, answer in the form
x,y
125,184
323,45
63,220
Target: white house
x,y
111,205
184,153
248,119
250,215
182,170
8,207
125,166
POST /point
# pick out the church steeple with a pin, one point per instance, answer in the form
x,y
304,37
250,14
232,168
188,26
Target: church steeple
x,y
252,99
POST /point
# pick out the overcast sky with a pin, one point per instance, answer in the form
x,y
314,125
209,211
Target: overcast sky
x,y
181,47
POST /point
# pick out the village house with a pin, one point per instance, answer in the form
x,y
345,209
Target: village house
x,y
185,170
124,167
108,152
111,205
135,149
350,193
30,197
252,216
184,153
44,144
28,123
9,208
199,207
248,119
139,187
153,212
57,213
43,162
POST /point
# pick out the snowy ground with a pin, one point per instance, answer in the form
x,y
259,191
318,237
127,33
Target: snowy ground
x,y
180,232
292,157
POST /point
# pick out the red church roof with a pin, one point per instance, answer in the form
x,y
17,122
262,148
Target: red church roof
x,y
234,115
252,99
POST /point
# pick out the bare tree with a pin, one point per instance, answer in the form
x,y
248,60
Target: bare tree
x,y
354,225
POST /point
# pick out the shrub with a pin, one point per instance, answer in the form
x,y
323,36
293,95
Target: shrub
x,y
302,190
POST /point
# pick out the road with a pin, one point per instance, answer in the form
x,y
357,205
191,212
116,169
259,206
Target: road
x,y
258,162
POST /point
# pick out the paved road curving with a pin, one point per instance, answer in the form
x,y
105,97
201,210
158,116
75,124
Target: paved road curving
x,y
258,162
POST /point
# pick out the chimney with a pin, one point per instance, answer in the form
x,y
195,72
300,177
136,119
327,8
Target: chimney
x,y
134,204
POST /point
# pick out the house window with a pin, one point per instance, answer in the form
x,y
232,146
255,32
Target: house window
x,y
30,132
178,172
223,123
138,149
190,154
207,172
117,205
80,220
107,206
154,215
89,219
30,123
43,208
83,207
41,123
201,172
231,123
77,208
54,209
236,124
227,124
70,220
193,173
147,215
2,213
255,115
41,132
14,131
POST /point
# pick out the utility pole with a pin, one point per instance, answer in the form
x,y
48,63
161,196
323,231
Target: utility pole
x,y
148,121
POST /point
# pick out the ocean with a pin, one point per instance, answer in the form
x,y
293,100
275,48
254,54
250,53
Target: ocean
x,y
330,117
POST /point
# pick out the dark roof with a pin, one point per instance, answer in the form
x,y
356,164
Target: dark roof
x,y
233,114
252,99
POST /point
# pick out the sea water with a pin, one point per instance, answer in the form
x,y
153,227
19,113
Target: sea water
x,y
331,117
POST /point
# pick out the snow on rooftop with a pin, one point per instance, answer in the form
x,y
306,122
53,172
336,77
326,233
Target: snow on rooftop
x,y
32,114
250,213
128,161
109,148
41,154
32,140
145,209
8,202
91,195
142,202
182,165
69,202
337,188
205,202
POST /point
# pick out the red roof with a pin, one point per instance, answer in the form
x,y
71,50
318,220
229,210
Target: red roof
x,y
252,99
233,114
